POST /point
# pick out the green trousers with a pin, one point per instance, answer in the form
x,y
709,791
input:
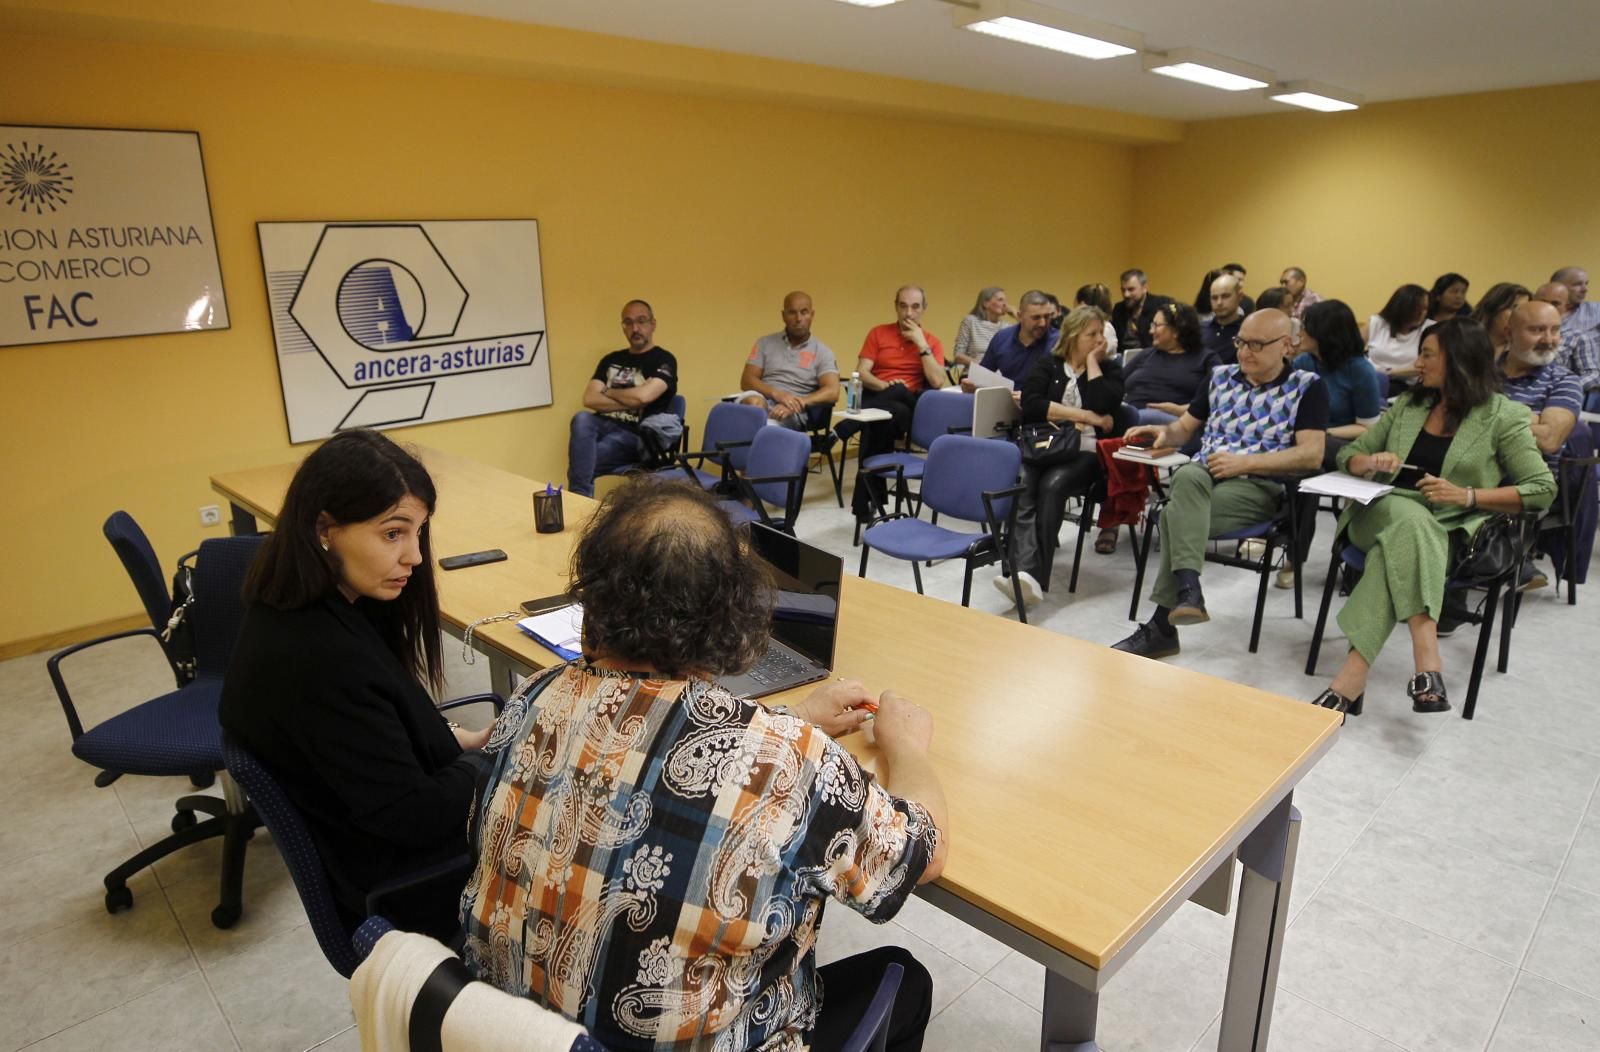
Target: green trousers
x,y
1408,555
1200,509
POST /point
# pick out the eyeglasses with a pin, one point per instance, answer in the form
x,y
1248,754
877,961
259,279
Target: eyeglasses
x,y
1256,346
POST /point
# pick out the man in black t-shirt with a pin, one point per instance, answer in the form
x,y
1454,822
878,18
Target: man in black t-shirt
x,y
1133,315
630,397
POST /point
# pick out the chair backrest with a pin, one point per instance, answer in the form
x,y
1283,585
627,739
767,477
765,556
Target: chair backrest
x,y
733,422
960,468
872,1031
299,851
218,610
139,559
936,413
779,451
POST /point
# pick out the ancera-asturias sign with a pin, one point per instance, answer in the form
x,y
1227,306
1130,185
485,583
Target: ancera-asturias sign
x,y
104,233
379,324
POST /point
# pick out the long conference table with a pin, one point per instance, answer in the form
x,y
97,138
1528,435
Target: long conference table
x,y
1091,792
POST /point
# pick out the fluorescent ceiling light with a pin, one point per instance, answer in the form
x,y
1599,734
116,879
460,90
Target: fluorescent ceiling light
x,y
1203,67
869,3
1046,27
1314,96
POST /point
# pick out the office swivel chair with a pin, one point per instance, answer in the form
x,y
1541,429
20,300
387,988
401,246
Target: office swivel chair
x,y
177,733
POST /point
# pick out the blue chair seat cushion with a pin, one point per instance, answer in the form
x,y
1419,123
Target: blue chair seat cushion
x,y
706,479
1354,558
177,733
912,463
915,539
1258,529
737,513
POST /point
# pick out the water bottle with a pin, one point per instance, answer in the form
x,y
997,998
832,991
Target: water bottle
x,y
852,394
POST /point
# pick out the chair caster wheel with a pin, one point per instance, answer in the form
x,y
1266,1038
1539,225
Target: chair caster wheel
x,y
203,780
118,899
182,820
224,917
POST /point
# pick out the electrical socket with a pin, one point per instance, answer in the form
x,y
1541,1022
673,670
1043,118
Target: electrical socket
x,y
210,515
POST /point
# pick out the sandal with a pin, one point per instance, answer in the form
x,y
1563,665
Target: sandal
x,y
1332,699
1106,543
1426,691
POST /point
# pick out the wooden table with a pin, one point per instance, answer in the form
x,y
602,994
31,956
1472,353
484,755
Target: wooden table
x,y
1091,792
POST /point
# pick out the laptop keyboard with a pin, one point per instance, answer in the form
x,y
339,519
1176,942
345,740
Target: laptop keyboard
x,y
776,665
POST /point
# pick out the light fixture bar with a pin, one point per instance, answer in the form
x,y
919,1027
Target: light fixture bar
x,y
1311,95
1203,67
1046,27
869,3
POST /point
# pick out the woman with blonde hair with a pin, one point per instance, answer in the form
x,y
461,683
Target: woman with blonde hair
x,y
1077,387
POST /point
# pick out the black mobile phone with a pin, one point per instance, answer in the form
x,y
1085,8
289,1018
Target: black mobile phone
x,y
549,602
456,562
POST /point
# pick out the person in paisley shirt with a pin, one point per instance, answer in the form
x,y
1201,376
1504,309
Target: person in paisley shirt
x,y
653,854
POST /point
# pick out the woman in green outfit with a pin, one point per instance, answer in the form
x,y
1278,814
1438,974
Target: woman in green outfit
x,y
1446,446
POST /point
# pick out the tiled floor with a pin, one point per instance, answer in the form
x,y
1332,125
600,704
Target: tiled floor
x,y
1447,895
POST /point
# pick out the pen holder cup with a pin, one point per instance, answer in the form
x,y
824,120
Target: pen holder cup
x,y
547,515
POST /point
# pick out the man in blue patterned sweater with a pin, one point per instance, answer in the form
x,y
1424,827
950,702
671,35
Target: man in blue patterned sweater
x,y
1261,419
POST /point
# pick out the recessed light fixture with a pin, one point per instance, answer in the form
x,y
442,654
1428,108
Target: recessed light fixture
x,y
1046,27
1203,67
869,3
1314,96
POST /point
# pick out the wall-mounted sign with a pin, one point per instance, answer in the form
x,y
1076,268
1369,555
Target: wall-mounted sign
x,y
104,233
383,324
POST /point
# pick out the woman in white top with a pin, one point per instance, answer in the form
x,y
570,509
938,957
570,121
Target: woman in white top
x,y
978,327
1395,333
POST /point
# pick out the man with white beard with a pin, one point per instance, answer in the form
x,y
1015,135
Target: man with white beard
x,y
1529,374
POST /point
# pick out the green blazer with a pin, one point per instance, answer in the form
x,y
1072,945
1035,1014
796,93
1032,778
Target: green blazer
x,y
1493,447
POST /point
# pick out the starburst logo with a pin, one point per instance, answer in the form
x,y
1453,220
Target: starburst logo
x,y
32,178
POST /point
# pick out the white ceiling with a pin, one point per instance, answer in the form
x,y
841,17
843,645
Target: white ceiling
x,y
1381,49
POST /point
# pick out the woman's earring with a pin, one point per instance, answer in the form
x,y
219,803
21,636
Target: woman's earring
x,y
324,545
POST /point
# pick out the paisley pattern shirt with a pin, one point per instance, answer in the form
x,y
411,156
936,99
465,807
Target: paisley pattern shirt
x,y
654,855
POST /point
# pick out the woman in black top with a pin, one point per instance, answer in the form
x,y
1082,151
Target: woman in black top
x,y
1079,382
327,684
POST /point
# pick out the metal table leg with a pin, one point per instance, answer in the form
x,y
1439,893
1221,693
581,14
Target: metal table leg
x,y
1268,855
1070,1012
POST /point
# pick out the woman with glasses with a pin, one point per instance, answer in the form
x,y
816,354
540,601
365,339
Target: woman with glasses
x,y
1456,452
1160,382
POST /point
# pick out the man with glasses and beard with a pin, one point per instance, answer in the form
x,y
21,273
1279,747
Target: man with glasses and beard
x,y
1529,374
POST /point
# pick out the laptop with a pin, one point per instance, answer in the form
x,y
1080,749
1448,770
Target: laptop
x,y
805,616
993,412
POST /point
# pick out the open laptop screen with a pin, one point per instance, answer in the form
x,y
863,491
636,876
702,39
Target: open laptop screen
x,y
806,613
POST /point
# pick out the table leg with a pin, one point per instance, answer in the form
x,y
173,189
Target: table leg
x,y
1069,1016
241,522
502,673
1268,855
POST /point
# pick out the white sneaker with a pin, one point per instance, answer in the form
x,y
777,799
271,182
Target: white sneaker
x,y
1285,577
1252,548
1031,592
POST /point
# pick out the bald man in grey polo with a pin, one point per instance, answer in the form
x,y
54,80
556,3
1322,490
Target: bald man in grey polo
x,y
791,373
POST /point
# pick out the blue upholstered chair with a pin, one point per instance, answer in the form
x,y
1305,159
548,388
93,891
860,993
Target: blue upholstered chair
x,y
966,478
774,474
177,733
1348,559
939,412
1280,533
138,557
331,924
730,428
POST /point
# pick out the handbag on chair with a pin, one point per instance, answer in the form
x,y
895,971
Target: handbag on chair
x,y
1491,552
1048,445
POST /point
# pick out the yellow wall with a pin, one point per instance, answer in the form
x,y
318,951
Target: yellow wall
x,y
710,207
1497,186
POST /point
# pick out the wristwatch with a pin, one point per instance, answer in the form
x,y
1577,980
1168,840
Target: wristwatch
x,y
927,353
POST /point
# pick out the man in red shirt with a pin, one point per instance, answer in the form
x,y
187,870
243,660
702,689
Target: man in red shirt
x,y
899,360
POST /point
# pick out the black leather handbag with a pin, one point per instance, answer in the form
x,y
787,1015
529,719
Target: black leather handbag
x,y
1047,445
1492,551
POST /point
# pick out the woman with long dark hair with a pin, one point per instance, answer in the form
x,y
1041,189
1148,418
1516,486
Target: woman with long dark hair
x,y
1446,447
1494,312
1448,297
330,678
1395,333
